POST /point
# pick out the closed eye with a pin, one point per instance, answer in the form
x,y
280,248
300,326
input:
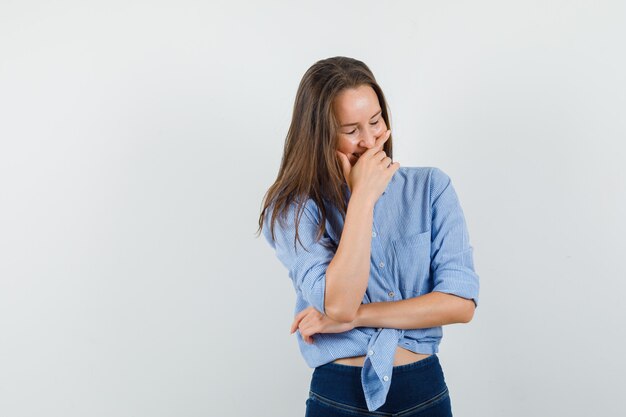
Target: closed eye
x,y
372,123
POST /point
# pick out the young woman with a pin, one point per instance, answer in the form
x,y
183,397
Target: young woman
x,y
378,254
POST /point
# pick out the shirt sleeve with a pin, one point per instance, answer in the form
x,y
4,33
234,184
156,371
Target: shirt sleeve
x,y
307,266
452,262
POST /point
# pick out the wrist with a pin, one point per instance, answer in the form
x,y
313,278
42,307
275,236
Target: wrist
x,y
358,319
361,200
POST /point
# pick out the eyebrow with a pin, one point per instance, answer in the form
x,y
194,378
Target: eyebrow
x,y
352,124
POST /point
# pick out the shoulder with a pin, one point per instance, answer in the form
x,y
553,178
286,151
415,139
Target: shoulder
x,y
290,217
427,177
424,183
299,206
420,171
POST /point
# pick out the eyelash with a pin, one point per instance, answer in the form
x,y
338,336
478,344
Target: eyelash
x,y
373,124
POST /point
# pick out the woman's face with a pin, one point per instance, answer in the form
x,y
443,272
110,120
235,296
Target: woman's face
x,y
360,120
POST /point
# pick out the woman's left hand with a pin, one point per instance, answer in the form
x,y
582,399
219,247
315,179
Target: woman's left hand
x,y
311,321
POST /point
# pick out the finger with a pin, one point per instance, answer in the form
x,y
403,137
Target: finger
x,y
294,326
382,156
305,311
305,335
345,163
300,315
308,326
386,161
381,140
394,166
297,319
300,320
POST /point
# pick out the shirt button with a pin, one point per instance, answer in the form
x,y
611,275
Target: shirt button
x,y
371,352
390,293
385,378
380,329
381,264
374,234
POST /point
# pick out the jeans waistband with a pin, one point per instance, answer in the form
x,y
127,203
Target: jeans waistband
x,y
350,369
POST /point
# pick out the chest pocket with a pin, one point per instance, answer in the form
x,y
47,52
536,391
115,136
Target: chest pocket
x,y
412,263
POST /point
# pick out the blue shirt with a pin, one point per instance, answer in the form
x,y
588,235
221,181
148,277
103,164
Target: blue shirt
x,y
420,244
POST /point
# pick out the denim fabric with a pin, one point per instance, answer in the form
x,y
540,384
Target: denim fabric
x,y
417,389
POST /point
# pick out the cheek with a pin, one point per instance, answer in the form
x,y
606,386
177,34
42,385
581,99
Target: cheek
x,y
344,145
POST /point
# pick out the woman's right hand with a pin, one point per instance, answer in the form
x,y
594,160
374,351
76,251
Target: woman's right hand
x,y
310,321
372,171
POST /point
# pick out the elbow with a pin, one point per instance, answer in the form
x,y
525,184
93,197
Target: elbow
x,y
337,304
466,318
467,313
340,315
458,309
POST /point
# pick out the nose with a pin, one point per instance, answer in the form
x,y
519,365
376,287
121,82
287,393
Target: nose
x,y
368,140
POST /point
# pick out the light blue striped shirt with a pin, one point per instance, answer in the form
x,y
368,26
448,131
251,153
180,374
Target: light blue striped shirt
x,y
420,244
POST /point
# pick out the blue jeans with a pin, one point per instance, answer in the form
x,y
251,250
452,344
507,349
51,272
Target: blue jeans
x,y
417,389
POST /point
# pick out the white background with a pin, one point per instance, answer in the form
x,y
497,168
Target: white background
x,y
137,140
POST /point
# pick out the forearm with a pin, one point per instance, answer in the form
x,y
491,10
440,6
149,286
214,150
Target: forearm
x,y
428,310
348,273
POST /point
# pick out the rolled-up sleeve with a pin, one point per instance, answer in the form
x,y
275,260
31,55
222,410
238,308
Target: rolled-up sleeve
x,y
452,261
307,266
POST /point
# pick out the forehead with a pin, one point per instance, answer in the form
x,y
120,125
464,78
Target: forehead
x,y
356,103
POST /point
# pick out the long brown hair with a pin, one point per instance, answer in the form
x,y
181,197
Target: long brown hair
x,y
309,167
